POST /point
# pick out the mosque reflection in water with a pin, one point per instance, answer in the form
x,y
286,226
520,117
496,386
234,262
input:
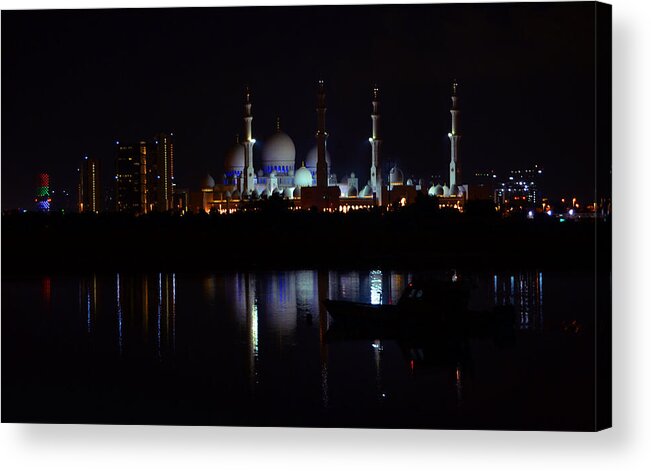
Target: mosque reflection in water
x,y
271,313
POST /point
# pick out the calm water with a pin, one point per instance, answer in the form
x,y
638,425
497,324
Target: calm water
x,y
254,349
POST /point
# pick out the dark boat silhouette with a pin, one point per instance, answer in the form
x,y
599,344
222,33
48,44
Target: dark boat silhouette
x,y
423,301
430,308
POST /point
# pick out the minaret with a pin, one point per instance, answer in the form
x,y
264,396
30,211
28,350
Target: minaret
x,y
321,135
455,137
248,144
376,171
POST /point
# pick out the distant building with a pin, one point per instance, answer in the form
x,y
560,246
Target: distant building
x,y
482,185
144,175
164,172
520,189
131,178
89,190
43,198
312,184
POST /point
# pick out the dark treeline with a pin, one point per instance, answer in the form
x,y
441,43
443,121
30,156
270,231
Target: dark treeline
x,y
419,236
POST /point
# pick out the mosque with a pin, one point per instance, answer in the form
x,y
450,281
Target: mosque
x,y
312,183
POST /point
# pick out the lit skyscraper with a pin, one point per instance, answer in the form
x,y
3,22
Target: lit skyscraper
x,y
164,172
131,178
89,186
43,198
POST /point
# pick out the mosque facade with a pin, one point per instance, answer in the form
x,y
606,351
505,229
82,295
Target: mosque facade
x,y
310,182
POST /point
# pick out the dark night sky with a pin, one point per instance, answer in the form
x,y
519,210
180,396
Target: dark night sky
x,y
73,82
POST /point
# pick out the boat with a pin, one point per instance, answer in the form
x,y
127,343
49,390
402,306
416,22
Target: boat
x,y
432,301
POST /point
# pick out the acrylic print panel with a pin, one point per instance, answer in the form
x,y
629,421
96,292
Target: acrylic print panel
x,y
251,216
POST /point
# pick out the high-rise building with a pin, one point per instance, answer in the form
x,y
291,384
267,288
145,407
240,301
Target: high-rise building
x,y
164,172
89,191
131,187
144,174
43,198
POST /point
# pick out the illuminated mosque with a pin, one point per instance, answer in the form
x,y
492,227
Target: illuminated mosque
x,y
312,183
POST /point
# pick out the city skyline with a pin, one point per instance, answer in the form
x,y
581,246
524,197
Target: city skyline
x,y
511,110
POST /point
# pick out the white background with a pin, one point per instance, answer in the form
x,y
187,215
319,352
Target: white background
x,y
626,446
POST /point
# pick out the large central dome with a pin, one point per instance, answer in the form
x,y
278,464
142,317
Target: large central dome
x,y
311,158
234,161
279,154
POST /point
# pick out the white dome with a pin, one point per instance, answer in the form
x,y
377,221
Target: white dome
x,y
438,190
446,190
395,176
367,191
279,153
260,188
310,159
454,190
207,182
303,177
234,160
410,182
288,192
432,190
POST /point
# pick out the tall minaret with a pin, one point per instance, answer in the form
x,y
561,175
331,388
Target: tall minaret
x,y
248,144
376,170
321,135
455,137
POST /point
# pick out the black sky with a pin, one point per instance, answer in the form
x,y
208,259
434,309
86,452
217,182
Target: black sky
x,y
74,82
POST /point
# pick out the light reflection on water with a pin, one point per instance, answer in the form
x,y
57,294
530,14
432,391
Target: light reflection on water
x,y
252,338
276,301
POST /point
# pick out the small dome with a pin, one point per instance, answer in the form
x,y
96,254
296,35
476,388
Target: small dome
x,y
395,176
310,159
446,190
352,191
288,193
367,191
227,195
260,188
297,192
410,182
276,192
207,182
432,190
303,177
234,160
454,190
352,175
438,190
236,195
260,173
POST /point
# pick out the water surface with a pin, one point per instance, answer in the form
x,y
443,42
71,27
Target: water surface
x,y
253,348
